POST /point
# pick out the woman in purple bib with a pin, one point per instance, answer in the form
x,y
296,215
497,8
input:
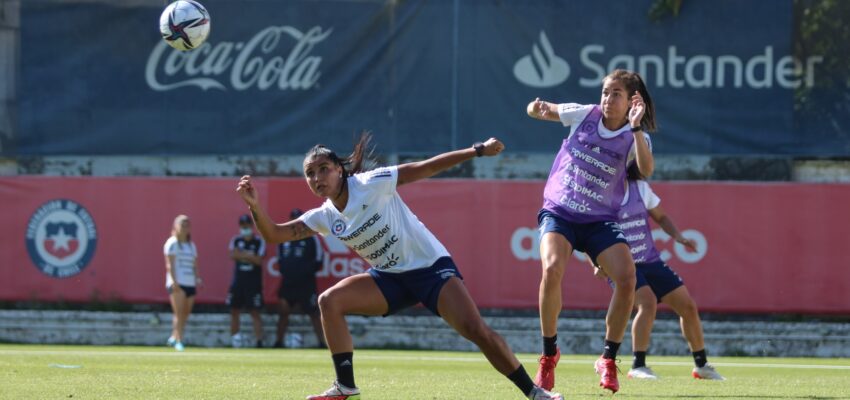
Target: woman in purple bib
x,y
580,203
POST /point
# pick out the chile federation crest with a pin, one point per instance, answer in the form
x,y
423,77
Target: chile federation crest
x,y
61,238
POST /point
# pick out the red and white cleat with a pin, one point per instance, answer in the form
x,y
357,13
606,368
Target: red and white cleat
x,y
707,371
607,369
545,377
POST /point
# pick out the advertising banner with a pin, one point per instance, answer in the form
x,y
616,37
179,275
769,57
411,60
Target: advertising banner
x,y
276,77
101,239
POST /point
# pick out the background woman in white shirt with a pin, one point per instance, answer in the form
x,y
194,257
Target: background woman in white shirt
x,y
181,276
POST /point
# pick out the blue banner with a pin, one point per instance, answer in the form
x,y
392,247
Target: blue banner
x,y
424,76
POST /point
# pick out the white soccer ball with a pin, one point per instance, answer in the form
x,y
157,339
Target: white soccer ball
x,y
184,24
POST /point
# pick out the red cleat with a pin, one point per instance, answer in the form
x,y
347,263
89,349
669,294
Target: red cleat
x,y
545,377
607,369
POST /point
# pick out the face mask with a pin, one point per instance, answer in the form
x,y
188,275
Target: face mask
x,y
246,231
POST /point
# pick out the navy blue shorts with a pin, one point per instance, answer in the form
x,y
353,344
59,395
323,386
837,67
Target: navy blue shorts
x,y
308,300
405,289
188,290
660,278
592,238
245,296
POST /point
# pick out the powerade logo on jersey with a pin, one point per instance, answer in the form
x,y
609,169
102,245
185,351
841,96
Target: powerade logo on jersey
x,y
338,226
61,238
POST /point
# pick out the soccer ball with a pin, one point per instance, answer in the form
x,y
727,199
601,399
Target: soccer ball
x,y
184,24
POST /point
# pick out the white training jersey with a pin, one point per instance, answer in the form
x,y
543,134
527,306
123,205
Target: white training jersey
x,y
184,261
572,114
650,199
377,225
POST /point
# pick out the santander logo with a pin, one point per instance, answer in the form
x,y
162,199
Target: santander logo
x,y
277,57
543,68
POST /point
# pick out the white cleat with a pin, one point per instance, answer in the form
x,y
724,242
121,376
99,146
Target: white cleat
x,y
337,392
642,373
540,394
707,372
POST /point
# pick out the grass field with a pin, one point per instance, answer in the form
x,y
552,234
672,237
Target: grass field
x,y
90,372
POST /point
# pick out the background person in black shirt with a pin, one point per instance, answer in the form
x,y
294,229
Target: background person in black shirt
x,y
246,290
298,262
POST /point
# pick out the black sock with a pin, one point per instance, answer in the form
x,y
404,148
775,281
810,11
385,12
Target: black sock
x,y
700,359
521,379
611,349
550,345
343,364
640,360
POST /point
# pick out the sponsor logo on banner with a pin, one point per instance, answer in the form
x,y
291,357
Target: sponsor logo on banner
x,y
61,238
542,68
277,57
525,245
764,69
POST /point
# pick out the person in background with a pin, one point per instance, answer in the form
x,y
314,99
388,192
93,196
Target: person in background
x,y
298,261
656,281
246,289
181,277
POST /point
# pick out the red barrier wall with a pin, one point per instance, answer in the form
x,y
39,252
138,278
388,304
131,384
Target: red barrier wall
x,y
755,255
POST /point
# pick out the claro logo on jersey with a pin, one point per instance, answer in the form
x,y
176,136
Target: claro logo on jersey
x,y
61,238
765,69
277,57
525,245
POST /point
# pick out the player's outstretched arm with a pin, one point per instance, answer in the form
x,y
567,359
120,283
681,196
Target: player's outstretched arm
x,y
412,172
540,109
666,223
271,232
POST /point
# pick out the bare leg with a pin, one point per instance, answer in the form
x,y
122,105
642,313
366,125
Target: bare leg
x,y
188,303
682,303
459,311
234,321
282,319
177,303
555,252
616,262
258,324
358,294
317,327
647,305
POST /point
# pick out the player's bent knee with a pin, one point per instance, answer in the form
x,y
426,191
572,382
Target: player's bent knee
x,y
327,302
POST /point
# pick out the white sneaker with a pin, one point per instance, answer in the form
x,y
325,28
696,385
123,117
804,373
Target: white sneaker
x,y
236,340
178,346
642,373
707,372
540,394
171,341
337,392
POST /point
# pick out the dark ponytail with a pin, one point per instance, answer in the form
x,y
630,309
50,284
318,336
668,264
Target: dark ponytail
x,y
356,162
634,83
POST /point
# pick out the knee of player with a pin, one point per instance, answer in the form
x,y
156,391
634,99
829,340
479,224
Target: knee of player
x,y
553,268
327,301
624,280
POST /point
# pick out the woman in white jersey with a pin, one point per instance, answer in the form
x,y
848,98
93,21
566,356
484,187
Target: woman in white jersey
x,y
181,276
580,204
409,265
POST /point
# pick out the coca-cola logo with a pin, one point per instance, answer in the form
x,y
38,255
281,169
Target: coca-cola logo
x,y
263,62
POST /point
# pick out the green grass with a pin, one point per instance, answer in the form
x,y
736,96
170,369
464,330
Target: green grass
x,y
90,372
